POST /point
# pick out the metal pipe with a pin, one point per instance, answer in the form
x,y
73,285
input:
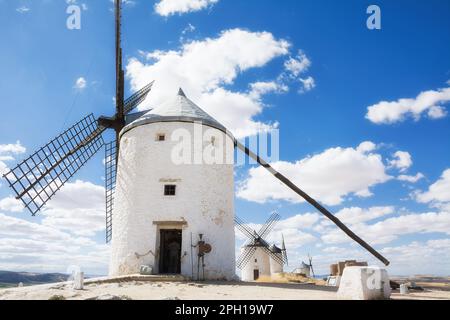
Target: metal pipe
x,y
310,200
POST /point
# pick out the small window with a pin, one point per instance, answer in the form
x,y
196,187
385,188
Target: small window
x,y
161,137
213,141
170,190
256,260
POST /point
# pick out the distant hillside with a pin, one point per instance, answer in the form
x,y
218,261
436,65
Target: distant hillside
x,y
12,279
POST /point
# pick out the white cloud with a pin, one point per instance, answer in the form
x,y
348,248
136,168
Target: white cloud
x,y
392,228
438,194
411,179
355,215
16,148
23,10
62,234
29,246
78,207
329,176
308,84
8,153
80,83
203,68
402,161
258,89
297,65
386,112
405,259
10,204
170,7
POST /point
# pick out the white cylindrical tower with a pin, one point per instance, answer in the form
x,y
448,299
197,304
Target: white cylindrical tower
x,y
174,182
258,265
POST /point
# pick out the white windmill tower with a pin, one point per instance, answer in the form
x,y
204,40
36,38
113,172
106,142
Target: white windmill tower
x,y
167,190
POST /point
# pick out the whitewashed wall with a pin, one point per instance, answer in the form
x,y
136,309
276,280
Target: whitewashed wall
x,y
262,264
205,200
275,266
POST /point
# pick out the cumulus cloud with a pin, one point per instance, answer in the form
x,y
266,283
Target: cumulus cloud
x,y
35,247
204,67
297,65
438,194
62,236
402,161
167,8
10,204
411,179
329,176
8,152
308,84
404,258
428,102
392,228
79,208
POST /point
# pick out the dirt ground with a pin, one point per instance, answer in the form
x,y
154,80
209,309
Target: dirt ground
x,y
145,290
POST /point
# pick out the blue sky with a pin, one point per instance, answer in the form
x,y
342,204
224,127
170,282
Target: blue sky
x,y
362,115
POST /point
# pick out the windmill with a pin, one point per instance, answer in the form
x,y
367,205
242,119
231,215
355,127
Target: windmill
x,y
39,177
265,256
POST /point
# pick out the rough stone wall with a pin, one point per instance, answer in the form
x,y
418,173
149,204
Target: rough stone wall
x,y
204,200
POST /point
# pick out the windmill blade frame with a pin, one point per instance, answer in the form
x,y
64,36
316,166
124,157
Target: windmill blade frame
x,y
272,254
110,185
36,179
135,99
244,229
245,256
283,250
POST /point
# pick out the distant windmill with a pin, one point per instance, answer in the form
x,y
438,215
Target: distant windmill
x,y
258,258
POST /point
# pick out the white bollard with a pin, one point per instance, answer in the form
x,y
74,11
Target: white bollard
x,y
364,283
404,288
78,280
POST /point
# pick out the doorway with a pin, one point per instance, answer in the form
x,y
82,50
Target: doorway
x,y
255,274
170,252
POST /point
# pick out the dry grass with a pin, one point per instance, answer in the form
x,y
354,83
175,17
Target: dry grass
x,y
291,278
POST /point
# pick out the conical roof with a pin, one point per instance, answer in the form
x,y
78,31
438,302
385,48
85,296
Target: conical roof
x,y
177,109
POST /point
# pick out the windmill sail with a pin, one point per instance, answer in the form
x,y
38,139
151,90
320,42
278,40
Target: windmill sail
x,y
313,202
283,250
137,98
110,185
36,180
